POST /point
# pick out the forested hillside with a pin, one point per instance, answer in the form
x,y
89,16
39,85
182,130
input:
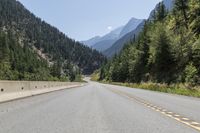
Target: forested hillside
x,y
166,51
31,49
123,40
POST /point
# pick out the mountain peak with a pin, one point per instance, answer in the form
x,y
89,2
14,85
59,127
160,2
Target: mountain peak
x,y
116,31
106,41
168,4
130,26
133,19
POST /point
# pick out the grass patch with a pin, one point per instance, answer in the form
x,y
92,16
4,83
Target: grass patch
x,y
95,76
180,89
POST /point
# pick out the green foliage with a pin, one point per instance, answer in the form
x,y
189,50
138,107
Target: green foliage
x,y
191,74
20,63
196,55
4,54
181,8
95,76
163,63
194,17
23,36
56,69
179,89
160,12
141,65
78,78
167,51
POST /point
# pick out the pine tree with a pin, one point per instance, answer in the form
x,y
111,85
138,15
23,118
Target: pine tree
x,y
164,61
166,51
24,28
161,12
4,49
56,69
196,55
194,18
182,6
1,48
141,62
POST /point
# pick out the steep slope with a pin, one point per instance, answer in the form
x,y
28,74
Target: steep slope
x,y
21,63
119,44
106,41
91,41
130,26
62,54
168,5
167,51
103,45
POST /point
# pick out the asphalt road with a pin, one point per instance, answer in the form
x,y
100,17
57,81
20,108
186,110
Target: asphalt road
x,y
99,108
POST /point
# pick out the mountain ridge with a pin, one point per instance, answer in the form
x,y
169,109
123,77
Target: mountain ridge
x,y
118,45
130,26
30,33
109,39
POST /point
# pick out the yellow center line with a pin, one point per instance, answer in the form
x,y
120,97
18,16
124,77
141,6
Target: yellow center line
x,y
191,123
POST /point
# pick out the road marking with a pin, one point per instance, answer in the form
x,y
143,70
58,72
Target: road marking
x,y
185,119
170,112
195,123
191,123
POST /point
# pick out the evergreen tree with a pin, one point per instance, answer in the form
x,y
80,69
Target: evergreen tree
x,y
166,51
4,49
56,69
29,46
196,55
161,12
182,7
164,64
141,62
194,18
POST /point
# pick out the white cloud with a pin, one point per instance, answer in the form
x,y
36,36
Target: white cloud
x,y
109,27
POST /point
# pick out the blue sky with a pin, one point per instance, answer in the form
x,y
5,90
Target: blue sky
x,y
83,19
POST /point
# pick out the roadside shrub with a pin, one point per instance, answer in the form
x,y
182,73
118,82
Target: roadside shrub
x,y
191,75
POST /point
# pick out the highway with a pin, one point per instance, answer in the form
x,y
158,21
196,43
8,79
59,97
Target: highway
x,y
101,108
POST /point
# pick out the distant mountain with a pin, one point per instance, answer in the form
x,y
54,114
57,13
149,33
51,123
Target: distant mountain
x,y
130,26
103,45
168,4
105,42
155,55
91,41
119,44
34,50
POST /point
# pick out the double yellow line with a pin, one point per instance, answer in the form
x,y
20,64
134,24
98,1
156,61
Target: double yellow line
x,y
191,123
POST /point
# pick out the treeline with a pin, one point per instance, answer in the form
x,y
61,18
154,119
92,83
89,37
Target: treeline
x,y
166,51
26,36
19,63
